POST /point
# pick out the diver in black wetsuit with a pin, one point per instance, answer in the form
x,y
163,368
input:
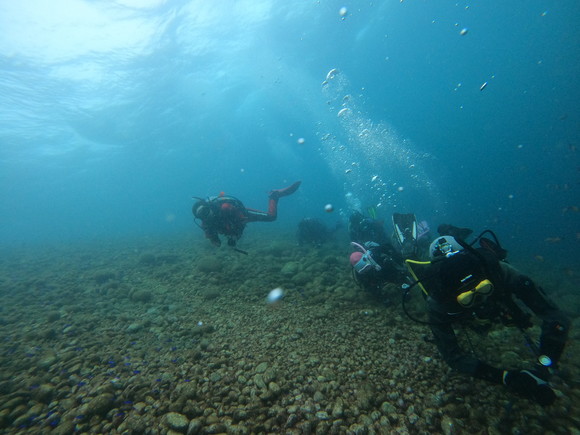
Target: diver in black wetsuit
x,y
313,232
228,216
374,265
362,229
473,286
379,259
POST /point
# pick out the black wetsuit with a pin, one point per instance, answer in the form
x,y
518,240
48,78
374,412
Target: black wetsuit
x,y
392,269
510,289
229,217
363,229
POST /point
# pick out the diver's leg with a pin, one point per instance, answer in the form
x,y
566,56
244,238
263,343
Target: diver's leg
x,y
262,216
279,193
272,214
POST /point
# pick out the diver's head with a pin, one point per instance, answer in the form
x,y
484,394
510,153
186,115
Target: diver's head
x,y
356,218
464,281
363,263
355,257
444,246
201,209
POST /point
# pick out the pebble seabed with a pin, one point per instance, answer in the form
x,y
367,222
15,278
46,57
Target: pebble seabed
x,y
176,337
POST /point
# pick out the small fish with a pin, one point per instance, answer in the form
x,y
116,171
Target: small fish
x,y
539,258
569,272
553,239
570,209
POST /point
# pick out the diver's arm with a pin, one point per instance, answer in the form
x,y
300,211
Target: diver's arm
x,y
454,356
555,324
211,234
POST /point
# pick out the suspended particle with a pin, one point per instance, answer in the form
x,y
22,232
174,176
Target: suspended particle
x,y
328,208
464,31
343,11
300,141
483,86
342,112
400,188
375,178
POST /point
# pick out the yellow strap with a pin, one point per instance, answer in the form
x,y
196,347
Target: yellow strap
x,y
412,272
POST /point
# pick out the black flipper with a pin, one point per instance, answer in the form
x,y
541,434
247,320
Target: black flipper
x,y
450,230
405,225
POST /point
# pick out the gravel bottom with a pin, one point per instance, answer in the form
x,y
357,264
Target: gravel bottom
x,y
175,337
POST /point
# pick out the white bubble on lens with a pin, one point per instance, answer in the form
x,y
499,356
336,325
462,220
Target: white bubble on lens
x,y
275,295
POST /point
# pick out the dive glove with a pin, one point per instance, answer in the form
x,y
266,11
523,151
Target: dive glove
x,y
529,383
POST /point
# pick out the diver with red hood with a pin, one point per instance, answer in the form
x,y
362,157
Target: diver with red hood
x,y
228,216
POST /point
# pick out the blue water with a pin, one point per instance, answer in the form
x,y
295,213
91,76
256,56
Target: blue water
x,y
115,113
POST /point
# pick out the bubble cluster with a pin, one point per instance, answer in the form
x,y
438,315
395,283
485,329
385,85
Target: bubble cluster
x,y
374,161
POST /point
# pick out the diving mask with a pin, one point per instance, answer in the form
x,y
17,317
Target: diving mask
x,y
482,290
366,263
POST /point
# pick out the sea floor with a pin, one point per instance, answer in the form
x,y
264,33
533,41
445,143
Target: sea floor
x,y
175,336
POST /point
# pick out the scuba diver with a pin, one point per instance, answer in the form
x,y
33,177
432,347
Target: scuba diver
x,y
362,229
228,216
374,265
377,261
475,287
312,231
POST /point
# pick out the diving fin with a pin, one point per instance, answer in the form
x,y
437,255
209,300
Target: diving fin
x,y
451,230
279,193
494,247
406,233
372,211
